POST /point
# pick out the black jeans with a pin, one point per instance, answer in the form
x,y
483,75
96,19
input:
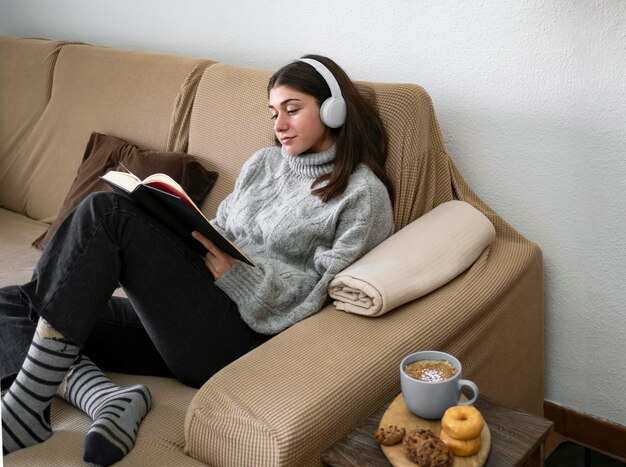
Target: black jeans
x,y
175,321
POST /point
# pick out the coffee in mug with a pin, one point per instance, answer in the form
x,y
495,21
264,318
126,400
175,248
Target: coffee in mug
x,y
431,383
430,370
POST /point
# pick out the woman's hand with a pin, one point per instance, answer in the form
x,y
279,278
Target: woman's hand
x,y
215,260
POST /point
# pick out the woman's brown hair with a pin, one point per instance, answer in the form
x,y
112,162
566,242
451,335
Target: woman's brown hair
x,y
361,139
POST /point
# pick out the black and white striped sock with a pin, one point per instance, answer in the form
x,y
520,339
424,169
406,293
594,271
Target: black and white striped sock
x,y
116,411
26,405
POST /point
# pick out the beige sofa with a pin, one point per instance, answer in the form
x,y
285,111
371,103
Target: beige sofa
x,y
290,399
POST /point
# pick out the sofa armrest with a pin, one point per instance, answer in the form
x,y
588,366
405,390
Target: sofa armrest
x,y
288,400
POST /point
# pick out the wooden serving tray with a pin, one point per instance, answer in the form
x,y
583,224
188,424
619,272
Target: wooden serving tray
x,y
398,414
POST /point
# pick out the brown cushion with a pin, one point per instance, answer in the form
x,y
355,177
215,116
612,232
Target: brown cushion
x,y
104,153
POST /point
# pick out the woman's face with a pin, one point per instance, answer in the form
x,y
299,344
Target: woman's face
x,y
297,122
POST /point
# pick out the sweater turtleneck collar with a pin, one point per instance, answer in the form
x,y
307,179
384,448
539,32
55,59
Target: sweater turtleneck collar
x,y
311,165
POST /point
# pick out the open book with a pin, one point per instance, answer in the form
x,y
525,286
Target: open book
x,y
166,200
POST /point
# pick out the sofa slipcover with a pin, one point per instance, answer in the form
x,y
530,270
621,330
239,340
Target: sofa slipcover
x,y
142,98
285,402
288,400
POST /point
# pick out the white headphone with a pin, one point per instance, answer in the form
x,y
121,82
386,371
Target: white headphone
x,y
333,109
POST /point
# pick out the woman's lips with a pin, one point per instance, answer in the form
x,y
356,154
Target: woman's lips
x,y
286,139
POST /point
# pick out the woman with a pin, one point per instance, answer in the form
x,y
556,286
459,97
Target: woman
x,y
302,211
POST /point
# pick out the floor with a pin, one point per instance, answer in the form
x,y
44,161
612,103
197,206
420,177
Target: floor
x,y
570,454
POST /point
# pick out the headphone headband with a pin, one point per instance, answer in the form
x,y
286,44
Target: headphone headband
x,y
335,90
333,109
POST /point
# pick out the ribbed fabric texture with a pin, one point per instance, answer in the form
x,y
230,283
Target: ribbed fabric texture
x,y
229,102
130,95
317,380
179,125
25,86
17,256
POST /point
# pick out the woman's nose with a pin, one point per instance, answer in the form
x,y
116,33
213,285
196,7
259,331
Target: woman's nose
x,y
280,123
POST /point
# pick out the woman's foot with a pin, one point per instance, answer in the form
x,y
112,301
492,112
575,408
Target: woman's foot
x,y
117,411
26,404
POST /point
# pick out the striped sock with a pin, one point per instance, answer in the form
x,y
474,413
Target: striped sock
x,y
116,411
26,405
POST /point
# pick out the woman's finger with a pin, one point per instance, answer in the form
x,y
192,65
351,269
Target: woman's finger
x,y
201,238
208,244
216,261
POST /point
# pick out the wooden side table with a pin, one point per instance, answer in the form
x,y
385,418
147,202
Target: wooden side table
x,y
517,439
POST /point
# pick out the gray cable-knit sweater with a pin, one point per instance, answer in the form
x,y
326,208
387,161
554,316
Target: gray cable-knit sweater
x,y
297,242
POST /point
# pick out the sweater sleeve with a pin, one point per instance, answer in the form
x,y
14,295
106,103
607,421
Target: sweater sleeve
x,y
274,295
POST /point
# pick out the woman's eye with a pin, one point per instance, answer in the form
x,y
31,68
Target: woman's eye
x,y
288,112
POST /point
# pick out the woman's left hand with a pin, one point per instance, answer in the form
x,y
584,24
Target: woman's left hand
x,y
215,260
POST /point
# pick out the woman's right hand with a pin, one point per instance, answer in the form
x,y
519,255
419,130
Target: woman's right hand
x,y
215,260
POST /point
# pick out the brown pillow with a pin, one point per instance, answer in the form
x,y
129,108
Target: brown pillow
x,y
104,153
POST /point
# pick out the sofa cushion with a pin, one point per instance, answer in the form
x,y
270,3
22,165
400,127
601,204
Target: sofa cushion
x,y
229,122
17,256
160,439
26,67
105,152
421,257
143,98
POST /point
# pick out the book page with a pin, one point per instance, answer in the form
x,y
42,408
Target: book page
x,y
163,178
125,180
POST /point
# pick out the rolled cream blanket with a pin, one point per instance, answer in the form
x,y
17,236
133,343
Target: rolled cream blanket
x,y
421,257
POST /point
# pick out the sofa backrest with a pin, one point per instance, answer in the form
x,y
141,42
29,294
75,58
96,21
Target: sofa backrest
x,y
217,112
230,121
25,84
142,98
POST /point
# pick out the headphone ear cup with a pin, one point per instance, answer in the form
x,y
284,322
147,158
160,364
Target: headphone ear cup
x,y
333,112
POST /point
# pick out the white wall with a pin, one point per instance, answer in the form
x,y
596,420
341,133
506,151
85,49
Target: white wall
x,y
531,97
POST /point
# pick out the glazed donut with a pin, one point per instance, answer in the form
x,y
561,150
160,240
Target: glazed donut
x,y
462,422
461,447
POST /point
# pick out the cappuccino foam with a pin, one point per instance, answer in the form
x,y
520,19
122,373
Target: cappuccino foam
x,y
431,371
